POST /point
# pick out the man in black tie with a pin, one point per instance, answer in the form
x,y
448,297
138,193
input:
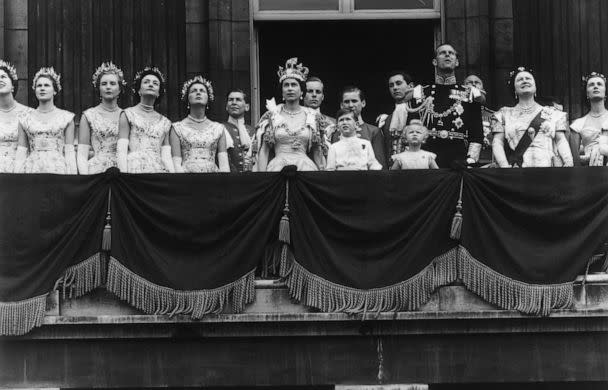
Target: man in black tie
x,y
237,104
353,99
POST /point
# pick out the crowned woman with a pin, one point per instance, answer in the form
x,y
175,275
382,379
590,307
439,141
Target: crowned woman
x,y
143,141
10,112
529,135
46,132
99,124
197,141
290,134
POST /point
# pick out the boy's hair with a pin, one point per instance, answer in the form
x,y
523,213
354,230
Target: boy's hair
x,y
342,112
413,123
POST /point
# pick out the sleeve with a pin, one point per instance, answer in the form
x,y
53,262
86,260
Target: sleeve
x,y
372,162
331,159
561,121
474,123
377,142
577,125
497,122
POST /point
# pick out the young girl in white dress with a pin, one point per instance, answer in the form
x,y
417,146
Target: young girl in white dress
x,y
414,157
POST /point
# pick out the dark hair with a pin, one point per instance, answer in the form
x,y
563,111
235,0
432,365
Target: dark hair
x,y
406,76
342,112
238,90
352,88
302,84
446,44
15,82
317,80
150,71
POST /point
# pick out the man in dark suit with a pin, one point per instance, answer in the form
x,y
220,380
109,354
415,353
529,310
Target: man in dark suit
x,y
401,87
353,99
237,104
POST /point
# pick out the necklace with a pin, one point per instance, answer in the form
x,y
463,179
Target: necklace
x,y
8,109
113,109
292,113
197,120
598,115
526,109
146,107
46,111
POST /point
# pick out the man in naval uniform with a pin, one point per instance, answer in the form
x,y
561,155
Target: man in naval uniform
x,y
353,99
241,134
401,88
451,112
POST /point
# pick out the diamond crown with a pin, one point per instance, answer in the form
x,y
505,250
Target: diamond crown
x,y
201,80
293,70
12,72
108,68
50,73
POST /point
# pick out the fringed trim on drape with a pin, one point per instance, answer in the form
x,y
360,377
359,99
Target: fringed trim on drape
x,y
158,300
314,291
511,294
83,277
18,318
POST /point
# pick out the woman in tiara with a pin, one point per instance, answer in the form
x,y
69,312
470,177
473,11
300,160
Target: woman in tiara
x,y
99,124
290,134
46,132
10,112
143,143
197,141
528,134
587,131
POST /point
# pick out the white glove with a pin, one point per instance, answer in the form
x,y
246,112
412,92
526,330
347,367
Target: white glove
x,y
20,158
70,159
122,149
222,158
165,156
177,164
82,159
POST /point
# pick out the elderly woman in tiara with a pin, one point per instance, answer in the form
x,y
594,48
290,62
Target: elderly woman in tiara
x,y
99,124
143,141
10,113
290,134
197,141
46,132
528,134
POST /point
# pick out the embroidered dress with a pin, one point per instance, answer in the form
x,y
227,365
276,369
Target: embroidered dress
x,y
414,160
352,154
46,140
9,134
104,135
590,139
291,146
199,147
514,123
145,140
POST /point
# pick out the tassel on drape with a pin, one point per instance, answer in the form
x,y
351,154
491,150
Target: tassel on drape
x,y
314,291
456,228
284,230
18,318
511,294
106,241
83,277
158,300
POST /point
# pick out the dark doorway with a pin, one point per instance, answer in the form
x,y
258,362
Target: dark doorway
x,y
342,53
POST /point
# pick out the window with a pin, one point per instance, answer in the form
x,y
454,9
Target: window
x,y
345,9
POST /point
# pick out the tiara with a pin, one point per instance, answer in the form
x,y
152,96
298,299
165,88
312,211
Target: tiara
x,y
593,75
146,71
108,68
50,73
293,70
516,71
198,80
12,72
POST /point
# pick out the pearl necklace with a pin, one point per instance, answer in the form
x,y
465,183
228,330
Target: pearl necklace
x,y
46,111
292,113
598,115
526,109
197,120
113,109
146,107
9,109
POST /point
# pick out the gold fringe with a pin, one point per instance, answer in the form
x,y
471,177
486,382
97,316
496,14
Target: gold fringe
x,y
510,294
158,300
83,277
18,318
327,296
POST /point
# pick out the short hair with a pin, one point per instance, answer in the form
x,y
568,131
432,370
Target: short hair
x,y
352,88
415,122
238,90
446,44
316,79
342,112
406,76
154,71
